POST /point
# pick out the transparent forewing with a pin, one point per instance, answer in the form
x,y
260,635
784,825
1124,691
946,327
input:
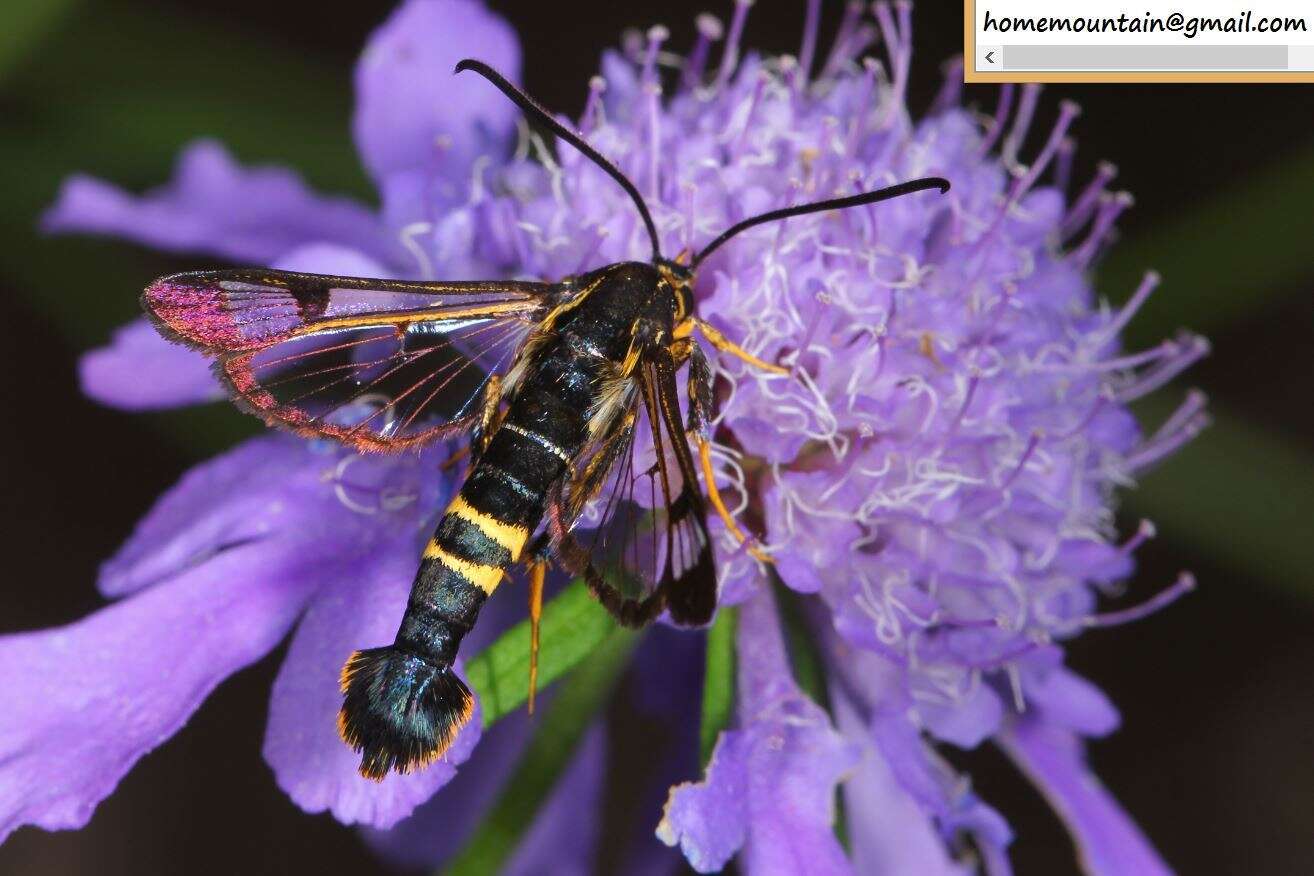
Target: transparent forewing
x,y
378,364
245,309
637,511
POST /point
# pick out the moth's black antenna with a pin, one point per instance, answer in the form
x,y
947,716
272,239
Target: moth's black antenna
x,y
895,191
532,108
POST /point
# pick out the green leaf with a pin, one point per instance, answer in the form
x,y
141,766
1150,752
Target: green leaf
x,y
24,24
573,626
554,742
1239,495
804,653
1221,258
718,681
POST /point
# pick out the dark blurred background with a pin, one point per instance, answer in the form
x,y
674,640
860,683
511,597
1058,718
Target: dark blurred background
x,y
1215,757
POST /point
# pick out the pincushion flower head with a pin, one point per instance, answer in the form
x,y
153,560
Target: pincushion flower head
x,y
935,475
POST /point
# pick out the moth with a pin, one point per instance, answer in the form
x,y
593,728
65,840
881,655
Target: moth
x,y
580,454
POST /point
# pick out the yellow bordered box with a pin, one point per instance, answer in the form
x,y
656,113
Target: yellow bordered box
x,y
1118,41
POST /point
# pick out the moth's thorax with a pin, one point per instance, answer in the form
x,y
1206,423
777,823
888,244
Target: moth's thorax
x,y
616,298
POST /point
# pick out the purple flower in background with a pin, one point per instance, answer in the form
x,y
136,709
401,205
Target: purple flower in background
x,y
937,474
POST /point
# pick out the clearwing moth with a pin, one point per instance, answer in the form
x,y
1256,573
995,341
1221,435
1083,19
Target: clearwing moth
x,y
557,384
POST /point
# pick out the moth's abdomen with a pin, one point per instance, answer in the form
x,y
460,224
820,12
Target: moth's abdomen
x,y
403,705
399,710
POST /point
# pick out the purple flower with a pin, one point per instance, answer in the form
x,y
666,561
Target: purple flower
x,y
937,473
770,784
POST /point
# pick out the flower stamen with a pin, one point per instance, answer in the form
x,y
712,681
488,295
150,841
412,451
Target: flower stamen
x,y
1184,584
1068,111
1063,165
1111,207
1179,354
657,34
808,51
1002,111
1017,135
1144,532
710,30
1082,209
1148,284
730,54
839,49
594,112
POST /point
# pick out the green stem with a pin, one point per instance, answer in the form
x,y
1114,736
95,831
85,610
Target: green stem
x,y
574,625
553,745
718,681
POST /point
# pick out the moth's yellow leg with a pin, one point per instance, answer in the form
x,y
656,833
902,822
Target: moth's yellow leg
x,y
725,345
714,496
681,349
537,574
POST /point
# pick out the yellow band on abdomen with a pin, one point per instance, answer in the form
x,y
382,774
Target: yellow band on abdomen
x,y
508,535
486,578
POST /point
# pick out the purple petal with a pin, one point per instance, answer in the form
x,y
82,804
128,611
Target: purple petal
x,y
873,687
80,704
141,371
770,786
709,819
228,500
966,723
888,831
216,206
329,258
360,608
1072,702
1108,841
938,788
418,127
310,496
812,546
220,567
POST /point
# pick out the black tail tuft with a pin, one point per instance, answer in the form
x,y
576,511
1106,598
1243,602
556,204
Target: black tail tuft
x,y
400,711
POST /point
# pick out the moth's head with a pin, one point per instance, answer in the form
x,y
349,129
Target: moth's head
x,y
680,276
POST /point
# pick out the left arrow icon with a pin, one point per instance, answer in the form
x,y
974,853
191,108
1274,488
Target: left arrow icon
x,y
990,57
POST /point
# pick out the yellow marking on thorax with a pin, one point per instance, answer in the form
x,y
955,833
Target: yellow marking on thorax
x,y
541,335
676,287
508,535
631,360
486,578
550,321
